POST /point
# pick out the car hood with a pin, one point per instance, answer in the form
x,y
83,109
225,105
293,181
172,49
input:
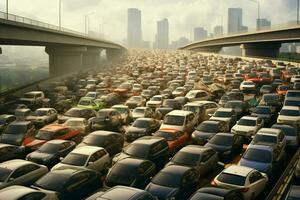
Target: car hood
x,y
243,128
35,142
138,115
14,139
162,192
154,102
120,156
32,118
261,115
136,130
201,134
288,118
180,128
260,166
218,148
40,155
225,119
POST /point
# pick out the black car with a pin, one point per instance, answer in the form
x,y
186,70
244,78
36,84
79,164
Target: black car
x,y
266,113
131,172
86,113
50,153
141,127
70,183
240,107
214,193
226,145
206,130
112,142
107,119
152,148
5,120
168,105
174,182
9,152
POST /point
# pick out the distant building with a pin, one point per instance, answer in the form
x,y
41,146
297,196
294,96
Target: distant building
x,y
145,45
235,21
263,24
183,41
218,31
134,28
162,36
200,33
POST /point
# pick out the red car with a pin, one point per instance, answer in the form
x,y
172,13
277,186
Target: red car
x,y
51,132
265,78
286,75
252,77
176,139
123,89
282,90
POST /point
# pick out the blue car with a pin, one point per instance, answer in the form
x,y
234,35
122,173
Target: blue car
x,y
264,158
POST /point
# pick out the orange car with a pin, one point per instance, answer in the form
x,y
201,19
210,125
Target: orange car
x,y
176,139
282,89
51,132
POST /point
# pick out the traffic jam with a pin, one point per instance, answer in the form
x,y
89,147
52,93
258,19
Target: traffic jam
x,y
160,125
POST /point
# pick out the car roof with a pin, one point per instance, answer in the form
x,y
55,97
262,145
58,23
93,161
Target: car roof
x,y
44,109
225,109
180,112
5,116
260,146
132,161
103,133
6,145
238,170
148,140
119,106
120,192
290,108
14,164
250,117
175,169
57,141
195,149
271,131
20,123
86,150
15,192
53,127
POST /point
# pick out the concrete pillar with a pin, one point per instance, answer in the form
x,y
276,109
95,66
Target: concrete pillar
x,y
91,58
210,49
114,55
267,50
65,59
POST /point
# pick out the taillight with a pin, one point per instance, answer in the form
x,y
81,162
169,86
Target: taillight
x,y
213,183
244,189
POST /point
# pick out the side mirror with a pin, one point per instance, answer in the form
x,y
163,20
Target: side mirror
x,y
11,179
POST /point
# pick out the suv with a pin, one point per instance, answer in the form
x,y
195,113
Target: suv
x,y
289,115
155,149
247,126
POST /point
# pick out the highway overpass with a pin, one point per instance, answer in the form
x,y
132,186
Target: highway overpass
x,y
264,43
68,51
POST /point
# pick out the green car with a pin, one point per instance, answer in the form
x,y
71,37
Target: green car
x,y
88,102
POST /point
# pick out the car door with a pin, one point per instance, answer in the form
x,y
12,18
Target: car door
x,y
257,182
77,186
25,175
98,160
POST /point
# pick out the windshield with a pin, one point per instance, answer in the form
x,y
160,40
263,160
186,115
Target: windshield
x,y
52,181
222,114
15,129
136,98
168,136
141,123
84,102
44,135
247,122
262,110
49,148
95,140
155,99
121,110
283,87
167,179
208,127
29,96
222,140
289,112
73,113
258,155
4,173
174,120
139,110
265,139
168,104
185,158
234,104
292,103
2,121
231,179
293,94
41,112
74,123
270,98
75,159
193,109
137,150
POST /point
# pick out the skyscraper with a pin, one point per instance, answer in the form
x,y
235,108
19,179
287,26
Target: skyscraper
x,y
200,33
263,24
235,20
218,31
162,36
134,28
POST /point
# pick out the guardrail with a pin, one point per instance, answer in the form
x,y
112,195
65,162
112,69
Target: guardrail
x,y
284,181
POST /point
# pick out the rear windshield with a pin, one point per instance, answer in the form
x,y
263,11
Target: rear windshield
x,y
258,155
174,120
232,179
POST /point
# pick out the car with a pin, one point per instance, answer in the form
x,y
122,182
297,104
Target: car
x,y
18,192
90,103
81,124
207,80
50,132
135,101
226,145
203,159
291,135
214,193
227,115
240,107
206,130
264,158
176,139
131,172
296,85
271,99
282,90
125,113
9,152
198,95
5,120
174,182
290,101
147,94
112,142
43,116
155,102
248,86
289,115
293,193
69,183
295,78
50,153
167,106
266,89
18,133
267,113
76,113
247,126
248,181
152,148
122,193
20,172
141,112
106,119
179,92
180,120
89,157
141,127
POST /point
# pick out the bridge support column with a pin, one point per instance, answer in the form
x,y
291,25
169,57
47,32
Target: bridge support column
x,y
91,58
269,50
114,55
210,49
65,59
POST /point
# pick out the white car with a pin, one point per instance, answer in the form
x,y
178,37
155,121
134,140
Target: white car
x,y
155,101
247,126
248,181
90,157
247,86
226,115
79,124
198,95
289,115
295,78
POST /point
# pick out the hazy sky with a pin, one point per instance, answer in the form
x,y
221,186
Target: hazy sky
x,y
183,15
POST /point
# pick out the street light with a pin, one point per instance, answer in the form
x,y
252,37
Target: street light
x,y
86,24
59,15
7,9
258,12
